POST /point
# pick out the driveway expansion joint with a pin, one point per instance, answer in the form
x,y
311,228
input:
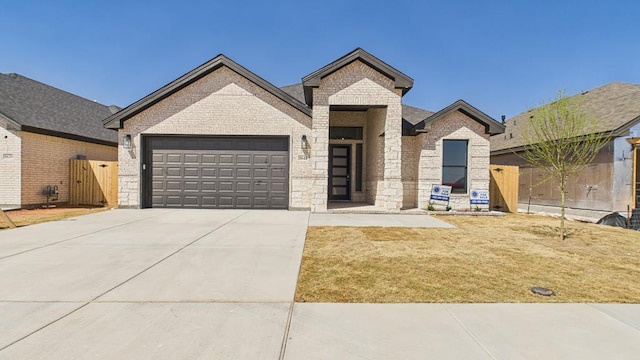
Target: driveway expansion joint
x,y
469,332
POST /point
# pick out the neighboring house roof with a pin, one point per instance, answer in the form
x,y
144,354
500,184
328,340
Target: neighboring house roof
x,y
115,121
32,106
616,106
491,126
312,80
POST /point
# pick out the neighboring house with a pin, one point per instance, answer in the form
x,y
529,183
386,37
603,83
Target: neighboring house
x,y
41,128
222,137
607,184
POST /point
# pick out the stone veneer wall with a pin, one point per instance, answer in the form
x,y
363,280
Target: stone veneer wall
x,y
221,103
375,156
410,161
45,161
453,126
358,84
10,166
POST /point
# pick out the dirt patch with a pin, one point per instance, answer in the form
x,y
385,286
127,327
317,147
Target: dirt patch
x,y
25,217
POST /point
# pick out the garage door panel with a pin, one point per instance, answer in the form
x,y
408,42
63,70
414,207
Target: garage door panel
x,y
191,186
172,185
227,159
261,159
225,186
243,159
243,186
260,173
173,158
261,187
209,172
192,172
226,173
243,201
209,186
157,185
278,159
278,173
243,173
209,159
173,172
209,201
214,172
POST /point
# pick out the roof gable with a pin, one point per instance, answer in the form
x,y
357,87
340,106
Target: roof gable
x,y
30,105
312,80
491,126
116,120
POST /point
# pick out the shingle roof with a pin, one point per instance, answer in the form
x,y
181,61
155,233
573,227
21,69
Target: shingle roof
x,y
410,115
32,104
616,106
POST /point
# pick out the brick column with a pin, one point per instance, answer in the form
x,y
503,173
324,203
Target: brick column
x,y
320,158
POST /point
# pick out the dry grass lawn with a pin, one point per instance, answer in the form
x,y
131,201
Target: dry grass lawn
x,y
485,259
34,216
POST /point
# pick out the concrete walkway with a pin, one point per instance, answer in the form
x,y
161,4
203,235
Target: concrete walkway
x,y
207,284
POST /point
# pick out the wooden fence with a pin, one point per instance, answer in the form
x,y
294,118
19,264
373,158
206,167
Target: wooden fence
x,y
503,188
93,183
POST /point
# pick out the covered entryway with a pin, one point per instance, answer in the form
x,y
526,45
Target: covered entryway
x,y
216,172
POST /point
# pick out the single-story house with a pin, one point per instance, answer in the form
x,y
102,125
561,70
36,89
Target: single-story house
x,y
220,136
609,183
41,128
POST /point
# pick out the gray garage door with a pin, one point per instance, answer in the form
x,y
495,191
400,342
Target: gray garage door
x,y
218,172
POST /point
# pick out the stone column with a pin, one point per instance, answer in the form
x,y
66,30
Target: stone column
x,y
393,157
320,158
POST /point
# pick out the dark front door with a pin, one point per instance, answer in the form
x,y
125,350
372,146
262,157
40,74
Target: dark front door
x,y
339,172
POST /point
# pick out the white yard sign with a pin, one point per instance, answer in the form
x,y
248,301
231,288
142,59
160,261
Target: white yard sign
x,y
440,192
479,197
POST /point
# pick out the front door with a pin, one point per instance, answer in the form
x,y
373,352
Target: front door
x,y
339,172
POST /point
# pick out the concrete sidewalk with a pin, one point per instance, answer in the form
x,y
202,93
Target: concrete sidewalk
x,y
385,220
464,331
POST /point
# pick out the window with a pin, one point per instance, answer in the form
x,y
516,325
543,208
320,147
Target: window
x,y
345,133
454,165
358,167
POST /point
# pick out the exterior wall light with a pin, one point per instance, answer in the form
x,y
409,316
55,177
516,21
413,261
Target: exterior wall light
x,y
304,144
126,141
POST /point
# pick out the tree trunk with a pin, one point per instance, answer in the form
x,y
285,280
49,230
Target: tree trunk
x,y
562,186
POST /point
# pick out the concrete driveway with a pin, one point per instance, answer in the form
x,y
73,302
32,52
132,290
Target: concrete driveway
x,y
207,284
168,284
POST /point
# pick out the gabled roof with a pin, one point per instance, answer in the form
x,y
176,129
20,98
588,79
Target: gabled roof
x,y
312,80
616,106
491,126
411,115
32,106
116,120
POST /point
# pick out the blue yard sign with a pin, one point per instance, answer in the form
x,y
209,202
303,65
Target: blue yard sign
x,y
479,197
440,192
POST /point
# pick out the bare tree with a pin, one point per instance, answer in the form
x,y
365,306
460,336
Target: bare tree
x,y
561,139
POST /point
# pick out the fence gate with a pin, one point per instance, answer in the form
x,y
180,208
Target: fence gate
x,y
503,188
93,182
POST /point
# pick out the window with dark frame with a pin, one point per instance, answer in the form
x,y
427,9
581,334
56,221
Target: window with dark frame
x,y
345,133
454,165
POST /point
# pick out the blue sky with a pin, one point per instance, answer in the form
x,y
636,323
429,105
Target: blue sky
x,y
503,57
